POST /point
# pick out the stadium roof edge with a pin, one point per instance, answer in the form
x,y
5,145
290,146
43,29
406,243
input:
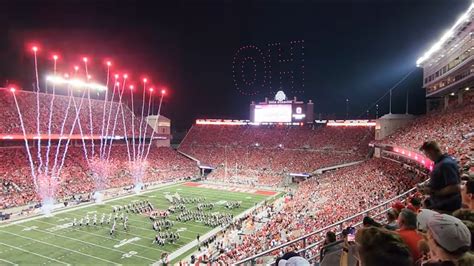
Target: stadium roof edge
x,y
439,44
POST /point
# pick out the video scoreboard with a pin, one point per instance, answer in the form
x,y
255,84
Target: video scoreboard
x,y
282,110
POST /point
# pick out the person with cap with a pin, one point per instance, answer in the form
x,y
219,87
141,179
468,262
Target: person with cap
x,y
407,223
443,186
448,239
292,259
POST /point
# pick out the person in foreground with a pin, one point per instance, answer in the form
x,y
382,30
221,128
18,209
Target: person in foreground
x,y
407,224
378,246
447,238
443,187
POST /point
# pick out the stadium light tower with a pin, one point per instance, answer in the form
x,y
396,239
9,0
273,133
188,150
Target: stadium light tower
x,y
390,103
347,108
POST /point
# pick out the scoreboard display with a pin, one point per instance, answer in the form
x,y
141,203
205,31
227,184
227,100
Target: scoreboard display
x,y
288,112
273,113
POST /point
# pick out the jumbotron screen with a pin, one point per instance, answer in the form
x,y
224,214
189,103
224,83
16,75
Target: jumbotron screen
x,y
273,113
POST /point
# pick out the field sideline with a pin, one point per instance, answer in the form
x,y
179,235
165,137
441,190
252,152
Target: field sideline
x,y
54,241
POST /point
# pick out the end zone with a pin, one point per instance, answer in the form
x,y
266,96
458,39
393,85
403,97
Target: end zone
x,y
231,188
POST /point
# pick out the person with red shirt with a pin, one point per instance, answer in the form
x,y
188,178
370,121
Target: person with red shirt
x,y
407,231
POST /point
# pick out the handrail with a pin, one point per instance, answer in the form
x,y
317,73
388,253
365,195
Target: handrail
x,y
302,238
337,233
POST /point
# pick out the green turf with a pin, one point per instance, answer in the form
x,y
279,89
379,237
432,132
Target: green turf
x,y
35,241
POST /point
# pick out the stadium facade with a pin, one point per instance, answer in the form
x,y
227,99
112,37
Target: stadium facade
x,y
448,66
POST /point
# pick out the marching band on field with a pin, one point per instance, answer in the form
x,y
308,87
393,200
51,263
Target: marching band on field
x,y
160,223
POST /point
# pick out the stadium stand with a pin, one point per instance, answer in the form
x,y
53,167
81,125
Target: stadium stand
x,y
269,151
253,156
27,103
76,178
327,199
452,129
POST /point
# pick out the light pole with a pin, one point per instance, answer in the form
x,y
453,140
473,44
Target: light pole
x,y
347,108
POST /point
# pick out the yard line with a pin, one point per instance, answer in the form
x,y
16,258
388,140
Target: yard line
x,y
175,222
143,222
86,205
49,244
110,238
31,252
85,242
9,262
147,229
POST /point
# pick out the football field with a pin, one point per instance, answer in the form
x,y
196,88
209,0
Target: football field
x,y
55,241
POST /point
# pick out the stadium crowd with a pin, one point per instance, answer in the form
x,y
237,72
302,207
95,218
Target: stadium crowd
x,y
63,107
261,155
328,198
453,129
268,152
76,177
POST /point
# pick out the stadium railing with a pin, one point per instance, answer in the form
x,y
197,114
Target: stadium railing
x,y
336,227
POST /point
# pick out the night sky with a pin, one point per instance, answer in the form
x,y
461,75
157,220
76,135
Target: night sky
x,y
353,49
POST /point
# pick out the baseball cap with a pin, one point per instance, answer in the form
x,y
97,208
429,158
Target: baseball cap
x,y
424,215
448,231
297,261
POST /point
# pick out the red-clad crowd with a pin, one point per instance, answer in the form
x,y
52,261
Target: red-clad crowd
x,y
321,201
267,152
64,111
76,177
278,136
453,129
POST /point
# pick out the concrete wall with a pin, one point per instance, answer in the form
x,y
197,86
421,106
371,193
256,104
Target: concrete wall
x,y
388,124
